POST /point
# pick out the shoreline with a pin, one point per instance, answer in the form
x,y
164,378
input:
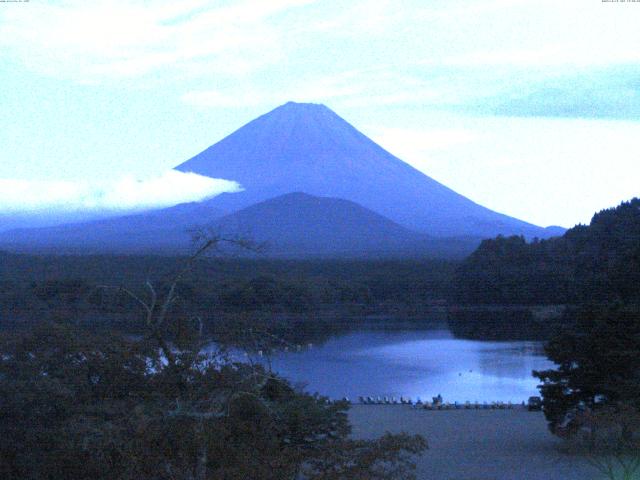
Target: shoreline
x,y
430,406
491,444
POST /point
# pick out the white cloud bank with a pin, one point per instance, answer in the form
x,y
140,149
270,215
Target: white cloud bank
x,y
124,194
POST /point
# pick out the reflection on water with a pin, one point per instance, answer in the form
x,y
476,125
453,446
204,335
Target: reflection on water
x,y
415,364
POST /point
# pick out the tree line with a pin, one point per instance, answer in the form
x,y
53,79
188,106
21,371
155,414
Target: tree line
x,y
598,263
33,287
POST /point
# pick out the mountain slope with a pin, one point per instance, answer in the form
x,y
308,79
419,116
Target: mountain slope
x,y
308,148
294,225
161,231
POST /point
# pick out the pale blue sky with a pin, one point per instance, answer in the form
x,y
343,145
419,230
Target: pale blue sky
x,y
530,107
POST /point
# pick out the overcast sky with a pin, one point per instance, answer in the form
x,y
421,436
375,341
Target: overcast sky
x,y
529,107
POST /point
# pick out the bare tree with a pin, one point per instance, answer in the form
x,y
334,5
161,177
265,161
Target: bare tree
x,y
157,308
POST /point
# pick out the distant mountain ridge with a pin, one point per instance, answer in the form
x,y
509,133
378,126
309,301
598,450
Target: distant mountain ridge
x,y
295,225
313,186
162,231
300,147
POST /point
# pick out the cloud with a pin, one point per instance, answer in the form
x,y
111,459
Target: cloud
x,y
124,194
350,88
102,40
361,18
224,98
611,92
432,54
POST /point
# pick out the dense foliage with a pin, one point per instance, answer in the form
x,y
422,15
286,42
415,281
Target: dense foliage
x,y
598,363
78,406
37,285
598,263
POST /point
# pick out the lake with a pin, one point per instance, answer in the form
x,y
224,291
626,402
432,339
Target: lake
x,y
415,363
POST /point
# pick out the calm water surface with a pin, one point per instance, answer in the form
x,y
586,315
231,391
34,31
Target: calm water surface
x,y
415,363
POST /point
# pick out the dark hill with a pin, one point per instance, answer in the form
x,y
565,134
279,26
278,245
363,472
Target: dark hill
x,y
308,148
301,225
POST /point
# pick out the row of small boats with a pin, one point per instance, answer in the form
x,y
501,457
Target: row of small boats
x,y
437,403
385,401
468,406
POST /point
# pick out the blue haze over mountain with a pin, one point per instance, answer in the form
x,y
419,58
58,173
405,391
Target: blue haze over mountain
x,y
294,225
313,186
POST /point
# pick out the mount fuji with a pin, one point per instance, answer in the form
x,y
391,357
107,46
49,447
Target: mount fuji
x,y
312,185
303,147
